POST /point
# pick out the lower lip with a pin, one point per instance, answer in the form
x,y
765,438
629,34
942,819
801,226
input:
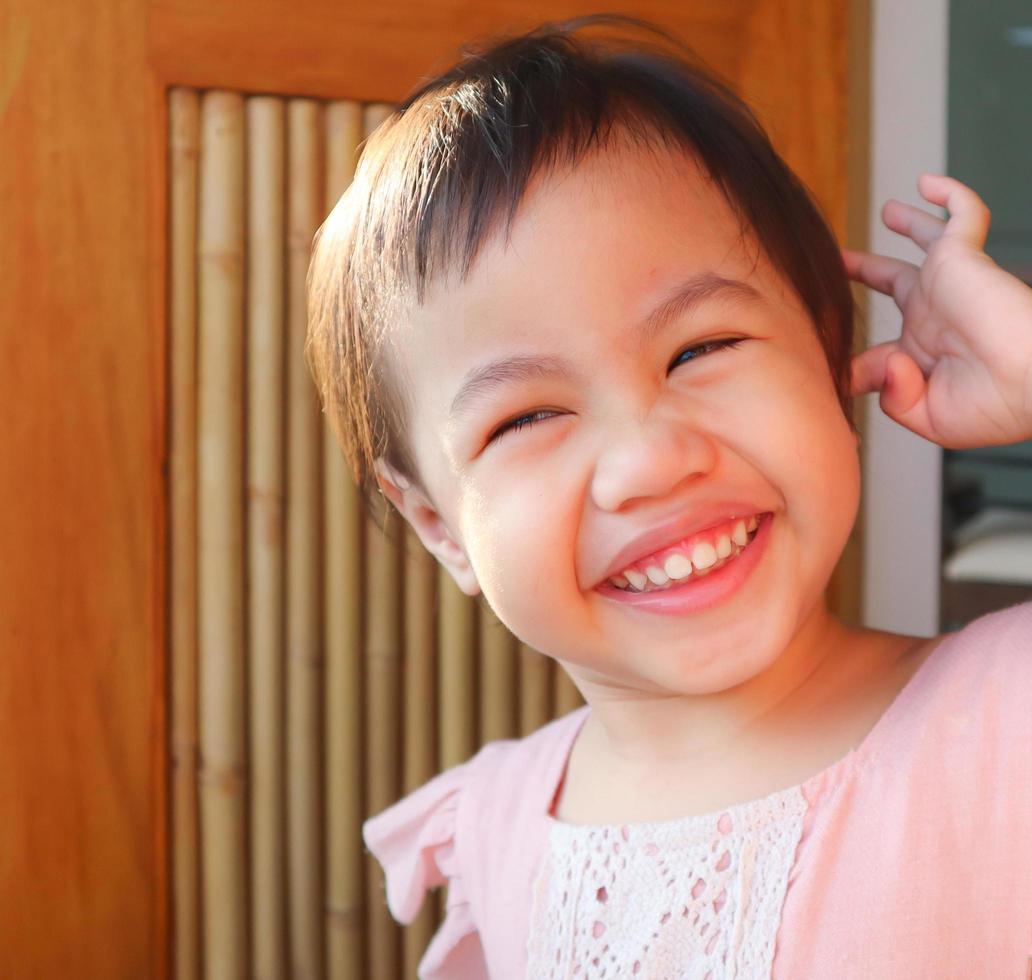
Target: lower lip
x,y
699,594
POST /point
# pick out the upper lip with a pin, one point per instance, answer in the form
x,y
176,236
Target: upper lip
x,y
672,531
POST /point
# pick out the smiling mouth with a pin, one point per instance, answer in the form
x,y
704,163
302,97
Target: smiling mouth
x,y
695,574
680,568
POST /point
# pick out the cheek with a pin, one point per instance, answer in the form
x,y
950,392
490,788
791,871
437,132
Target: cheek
x,y
522,553
804,444
504,538
824,464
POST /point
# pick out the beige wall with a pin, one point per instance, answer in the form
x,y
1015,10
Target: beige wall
x,y
902,485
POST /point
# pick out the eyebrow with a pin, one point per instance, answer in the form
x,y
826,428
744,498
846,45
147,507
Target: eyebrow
x,y
690,293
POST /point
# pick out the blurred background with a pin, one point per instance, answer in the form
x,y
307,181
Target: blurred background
x,y
987,493
213,665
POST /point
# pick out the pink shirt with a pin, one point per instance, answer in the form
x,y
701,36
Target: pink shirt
x,y
910,857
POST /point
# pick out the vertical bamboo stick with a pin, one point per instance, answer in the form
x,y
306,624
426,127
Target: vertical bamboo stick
x,y
266,329
383,701
183,146
566,696
383,694
457,635
344,587
304,649
535,689
499,693
221,534
458,657
419,757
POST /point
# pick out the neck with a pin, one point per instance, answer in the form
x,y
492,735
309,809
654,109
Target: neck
x,y
649,729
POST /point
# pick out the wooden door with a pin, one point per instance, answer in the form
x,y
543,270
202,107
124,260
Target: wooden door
x,y
85,771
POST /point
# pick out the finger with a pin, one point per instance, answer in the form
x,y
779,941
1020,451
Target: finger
x,y
868,368
919,226
904,398
969,216
893,277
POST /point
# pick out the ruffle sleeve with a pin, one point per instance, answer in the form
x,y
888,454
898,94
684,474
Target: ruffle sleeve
x,y
414,841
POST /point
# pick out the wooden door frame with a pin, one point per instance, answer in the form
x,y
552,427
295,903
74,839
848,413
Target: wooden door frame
x,y
84,486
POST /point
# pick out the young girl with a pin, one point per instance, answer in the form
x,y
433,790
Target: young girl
x,y
593,340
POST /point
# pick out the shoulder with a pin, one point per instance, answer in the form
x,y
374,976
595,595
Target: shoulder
x,y
415,838
457,830
999,641
958,731
1007,629
999,649
531,761
974,732
976,682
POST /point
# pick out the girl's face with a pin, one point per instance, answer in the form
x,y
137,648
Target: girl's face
x,y
633,433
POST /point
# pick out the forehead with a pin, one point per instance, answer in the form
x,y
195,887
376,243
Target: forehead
x,y
592,249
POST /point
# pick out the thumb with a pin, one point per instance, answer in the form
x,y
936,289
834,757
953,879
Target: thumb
x,y
868,368
904,394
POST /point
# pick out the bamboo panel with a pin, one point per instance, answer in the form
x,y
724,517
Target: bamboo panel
x,y
567,697
266,335
498,677
535,699
221,533
419,756
383,695
343,591
184,148
304,530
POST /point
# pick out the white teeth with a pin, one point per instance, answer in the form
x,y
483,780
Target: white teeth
x,y
656,575
704,555
636,579
677,566
739,534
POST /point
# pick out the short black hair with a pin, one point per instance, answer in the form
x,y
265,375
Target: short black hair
x,y
455,158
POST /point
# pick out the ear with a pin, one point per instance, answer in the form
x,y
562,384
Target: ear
x,y
428,525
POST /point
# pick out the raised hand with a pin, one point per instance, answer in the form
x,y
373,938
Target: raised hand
x,y
960,373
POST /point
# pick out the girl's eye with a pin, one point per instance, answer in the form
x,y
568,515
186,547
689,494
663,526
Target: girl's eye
x,y
531,418
519,423
715,345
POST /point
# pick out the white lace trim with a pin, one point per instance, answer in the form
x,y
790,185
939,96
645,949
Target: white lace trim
x,y
692,899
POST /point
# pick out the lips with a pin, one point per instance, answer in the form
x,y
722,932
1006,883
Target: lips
x,y
674,530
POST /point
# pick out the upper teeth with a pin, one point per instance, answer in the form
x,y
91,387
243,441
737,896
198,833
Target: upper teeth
x,y
681,564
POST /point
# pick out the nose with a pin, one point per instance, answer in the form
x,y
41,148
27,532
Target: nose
x,y
649,460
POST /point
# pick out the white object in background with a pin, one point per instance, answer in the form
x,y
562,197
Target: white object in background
x,y
994,546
